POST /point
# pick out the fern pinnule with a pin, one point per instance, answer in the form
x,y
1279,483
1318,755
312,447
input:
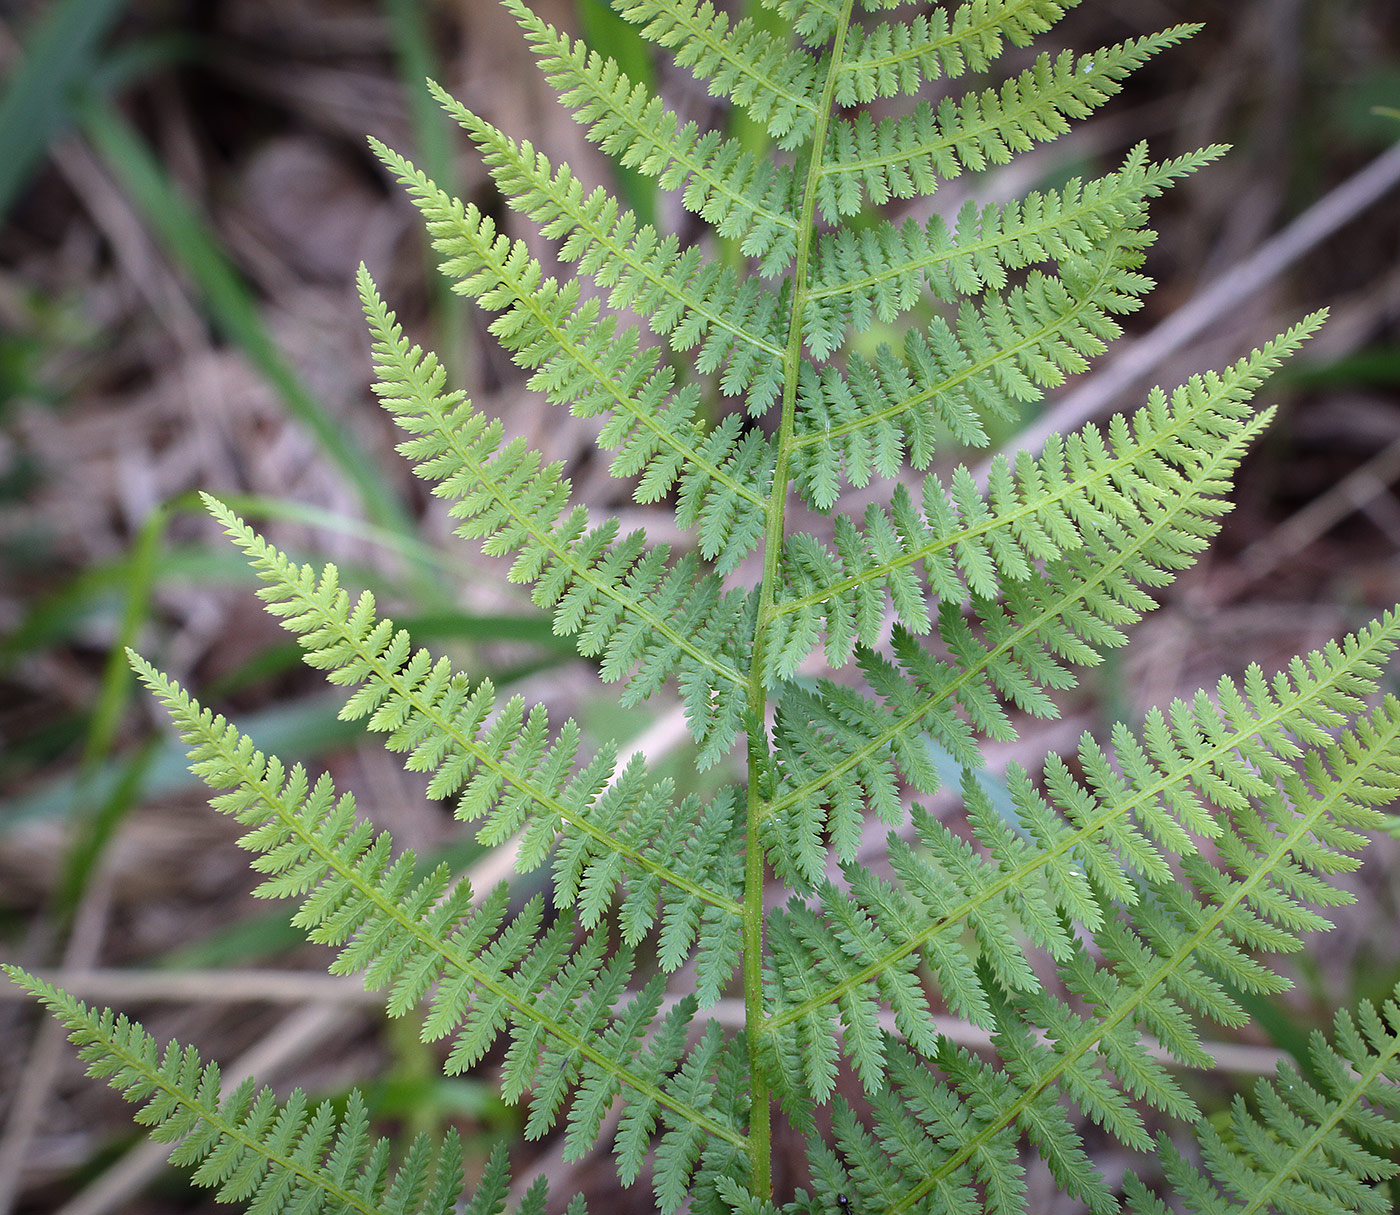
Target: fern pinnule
x,y
747,198
892,58
581,359
777,85
732,323
610,831
1084,492
1309,1144
869,161
482,973
1105,838
648,618
272,1156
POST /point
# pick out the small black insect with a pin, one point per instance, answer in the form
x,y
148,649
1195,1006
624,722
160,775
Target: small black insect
x,y
844,1203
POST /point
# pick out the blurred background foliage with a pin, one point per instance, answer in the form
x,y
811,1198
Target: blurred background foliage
x,y
185,192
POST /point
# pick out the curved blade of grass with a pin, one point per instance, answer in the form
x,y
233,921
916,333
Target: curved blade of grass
x,y
263,935
150,562
402,544
116,685
611,36
60,56
278,659
229,300
98,817
101,818
99,589
408,22
300,730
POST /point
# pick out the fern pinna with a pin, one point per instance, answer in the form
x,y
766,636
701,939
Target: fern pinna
x,y
1090,916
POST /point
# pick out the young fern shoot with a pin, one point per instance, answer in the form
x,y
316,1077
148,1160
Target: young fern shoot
x,y
1095,914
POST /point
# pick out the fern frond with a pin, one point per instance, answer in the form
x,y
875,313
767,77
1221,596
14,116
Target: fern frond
x,y
1016,649
942,1136
274,1156
1086,918
813,22
906,156
481,974
747,198
1002,350
1107,837
735,322
579,358
896,57
778,86
837,749
613,832
959,543
876,273
1309,1147
648,619
935,1144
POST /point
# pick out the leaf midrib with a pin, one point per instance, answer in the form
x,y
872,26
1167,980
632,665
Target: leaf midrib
x,y
761,1182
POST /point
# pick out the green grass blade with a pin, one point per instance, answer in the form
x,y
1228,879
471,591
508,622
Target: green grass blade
x,y
409,28
231,305
60,56
610,35
301,730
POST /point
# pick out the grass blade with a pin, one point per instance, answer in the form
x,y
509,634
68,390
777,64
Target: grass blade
x,y
60,56
231,305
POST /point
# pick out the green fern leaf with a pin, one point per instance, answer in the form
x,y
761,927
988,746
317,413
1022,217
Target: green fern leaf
x,y
1308,1148
254,1150
869,161
1065,612
746,198
779,87
1002,350
877,273
629,604
579,358
732,323
1169,958
488,976
1101,842
611,826
1087,918
960,543
897,57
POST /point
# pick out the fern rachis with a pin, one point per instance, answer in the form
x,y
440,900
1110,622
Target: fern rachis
x,y
1093,916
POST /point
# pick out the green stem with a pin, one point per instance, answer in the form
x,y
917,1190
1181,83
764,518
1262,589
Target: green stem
x,y
760,1111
